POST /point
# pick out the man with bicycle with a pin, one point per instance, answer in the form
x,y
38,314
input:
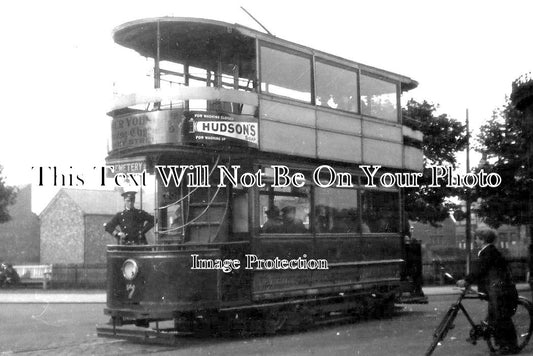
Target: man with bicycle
x,y
493,278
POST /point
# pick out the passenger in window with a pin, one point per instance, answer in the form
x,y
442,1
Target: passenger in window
x,y
388,222
348,103
331,102
340,222
291,225
322,219
383,225
274,224
346,221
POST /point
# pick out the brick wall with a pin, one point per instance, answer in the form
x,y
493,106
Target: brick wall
x,y
19,237
96,238
62,229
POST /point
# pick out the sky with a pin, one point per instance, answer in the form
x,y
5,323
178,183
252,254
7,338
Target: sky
x,y
59,62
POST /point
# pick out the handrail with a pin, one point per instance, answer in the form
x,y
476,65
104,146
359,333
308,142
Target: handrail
x,y
184,93
195,218
190,192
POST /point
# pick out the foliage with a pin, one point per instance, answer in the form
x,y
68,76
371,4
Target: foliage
x,y
503,140
7,197
443,138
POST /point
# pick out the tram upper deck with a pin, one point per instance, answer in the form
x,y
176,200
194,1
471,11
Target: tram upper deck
x,y
222,85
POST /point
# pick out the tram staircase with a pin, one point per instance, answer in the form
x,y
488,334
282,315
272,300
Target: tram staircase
x,y
206,216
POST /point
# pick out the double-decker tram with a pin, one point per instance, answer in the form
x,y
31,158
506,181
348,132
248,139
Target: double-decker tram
x,y
264,217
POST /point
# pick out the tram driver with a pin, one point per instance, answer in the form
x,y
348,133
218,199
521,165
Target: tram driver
x,y
130,225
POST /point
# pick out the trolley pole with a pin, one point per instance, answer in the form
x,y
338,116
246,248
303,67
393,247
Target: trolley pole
x,y
157,60
468,215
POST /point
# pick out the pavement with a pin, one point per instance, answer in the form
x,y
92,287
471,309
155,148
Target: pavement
x,y
446,290
51,296
58,296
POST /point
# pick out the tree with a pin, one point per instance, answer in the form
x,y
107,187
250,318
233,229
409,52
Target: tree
x,y
503,141
7,197
443,138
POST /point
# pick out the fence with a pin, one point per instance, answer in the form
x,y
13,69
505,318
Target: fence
x,y
79,276
432,271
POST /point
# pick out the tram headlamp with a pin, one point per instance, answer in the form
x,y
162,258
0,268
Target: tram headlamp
x,y
130,269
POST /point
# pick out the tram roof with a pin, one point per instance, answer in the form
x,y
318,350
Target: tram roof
x,y
202,41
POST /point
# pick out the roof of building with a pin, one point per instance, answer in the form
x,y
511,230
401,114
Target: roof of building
x,y
91,201
105,202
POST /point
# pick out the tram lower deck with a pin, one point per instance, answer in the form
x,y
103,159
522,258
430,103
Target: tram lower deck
x,y
228,252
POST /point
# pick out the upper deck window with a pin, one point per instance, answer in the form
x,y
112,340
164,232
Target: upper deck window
x,y
379,98
285,74
336,87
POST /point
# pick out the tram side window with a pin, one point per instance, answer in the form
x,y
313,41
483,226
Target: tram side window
x,y
336,211
379,98
285,74
284,210
239,210
381,211
336,87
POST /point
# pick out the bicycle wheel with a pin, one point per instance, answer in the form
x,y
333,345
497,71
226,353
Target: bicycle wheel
x,y
523,323
442,330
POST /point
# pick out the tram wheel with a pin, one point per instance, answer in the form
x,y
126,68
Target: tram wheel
x,y
274,321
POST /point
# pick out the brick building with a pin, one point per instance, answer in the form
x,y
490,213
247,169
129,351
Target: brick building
x,y
72,226
19,237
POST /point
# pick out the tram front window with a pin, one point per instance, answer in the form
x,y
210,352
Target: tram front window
x,y
285,210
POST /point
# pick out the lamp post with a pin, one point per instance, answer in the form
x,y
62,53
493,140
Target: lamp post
x,y
468,232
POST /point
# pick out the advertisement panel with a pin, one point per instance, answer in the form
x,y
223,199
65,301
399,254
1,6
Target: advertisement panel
x,y
146,128
184,127
212,128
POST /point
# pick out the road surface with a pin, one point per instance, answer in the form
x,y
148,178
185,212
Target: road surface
x,y
69,329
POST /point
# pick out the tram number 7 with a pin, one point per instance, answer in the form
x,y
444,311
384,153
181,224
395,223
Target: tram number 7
x,y
130,288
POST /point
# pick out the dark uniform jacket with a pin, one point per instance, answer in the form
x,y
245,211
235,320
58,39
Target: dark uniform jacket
x,y
493,277
134,223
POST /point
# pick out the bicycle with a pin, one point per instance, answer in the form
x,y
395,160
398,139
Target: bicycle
x,y
522,319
